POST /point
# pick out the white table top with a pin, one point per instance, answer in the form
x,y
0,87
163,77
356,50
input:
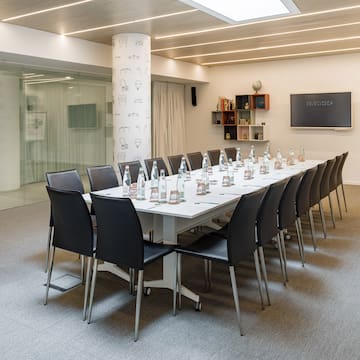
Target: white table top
x,y
197,205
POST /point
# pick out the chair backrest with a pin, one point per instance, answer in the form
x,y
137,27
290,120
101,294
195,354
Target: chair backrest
x,y
287,209
334,173
339,174
214,156
315,185
119,234
73,229
267,219
102,177
303,193
230,153
325,181
134,167
241,231
160,164
65,180
174,162
195,160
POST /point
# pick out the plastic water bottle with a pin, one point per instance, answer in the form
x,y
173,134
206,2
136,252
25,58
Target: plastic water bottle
x,y
162,187
181,185
231,171
205,162
291,157
222,166
126,183
238,158
154,175
183,166
266,162
252,154
140,185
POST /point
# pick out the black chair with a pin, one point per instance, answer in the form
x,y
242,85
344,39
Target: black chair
x,y
195,160
160,165
120,241
238,245
303,202
134,167
325,186
73,231
230,153
61,180
340,177
287,213
267,227
175,162
214,156
333,182
102,177
315,195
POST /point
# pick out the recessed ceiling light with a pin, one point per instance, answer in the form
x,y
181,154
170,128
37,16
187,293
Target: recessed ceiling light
x,y
131,22
48,80
274,57
269,47
256,37
235,11
31,76
46,10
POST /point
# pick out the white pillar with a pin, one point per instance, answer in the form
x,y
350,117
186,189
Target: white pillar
x,y
131,96
9,133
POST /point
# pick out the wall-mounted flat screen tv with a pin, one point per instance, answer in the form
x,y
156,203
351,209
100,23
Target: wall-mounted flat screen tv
x,y
325,110
82,116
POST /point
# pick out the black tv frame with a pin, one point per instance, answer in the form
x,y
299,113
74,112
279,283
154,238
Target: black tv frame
x,y
321,111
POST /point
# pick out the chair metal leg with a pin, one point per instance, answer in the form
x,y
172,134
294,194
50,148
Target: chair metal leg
x,y
179,278
282,242
311,220
131,281
323,223
87,283
299,239
236,296
343,192
338,202
263,268
82,271
140,285
175,285
48,247
92,290
281,258
331,211
258,275
301,236
207,273
52,255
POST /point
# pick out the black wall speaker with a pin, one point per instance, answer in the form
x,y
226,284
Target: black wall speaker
x,y
193,95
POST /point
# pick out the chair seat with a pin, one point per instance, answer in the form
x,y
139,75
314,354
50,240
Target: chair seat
x,y
153,251
210,246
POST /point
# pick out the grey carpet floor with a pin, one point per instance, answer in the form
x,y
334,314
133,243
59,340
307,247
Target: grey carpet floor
x,y
315,317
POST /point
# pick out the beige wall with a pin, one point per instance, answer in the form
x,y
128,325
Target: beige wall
x,y
281,78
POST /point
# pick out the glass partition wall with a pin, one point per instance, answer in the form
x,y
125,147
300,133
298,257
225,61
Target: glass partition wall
x,y
48,122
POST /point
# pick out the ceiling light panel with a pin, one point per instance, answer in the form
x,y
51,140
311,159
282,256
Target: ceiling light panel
x,y
236,11
46,10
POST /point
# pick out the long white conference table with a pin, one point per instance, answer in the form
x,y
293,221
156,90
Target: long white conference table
x,y
168,220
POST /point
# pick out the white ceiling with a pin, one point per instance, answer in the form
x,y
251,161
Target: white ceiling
x,y
323,27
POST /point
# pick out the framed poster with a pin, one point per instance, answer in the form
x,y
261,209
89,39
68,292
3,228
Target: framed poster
x,y
35,123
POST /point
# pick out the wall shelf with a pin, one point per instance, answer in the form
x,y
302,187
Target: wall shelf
x,y
240,124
